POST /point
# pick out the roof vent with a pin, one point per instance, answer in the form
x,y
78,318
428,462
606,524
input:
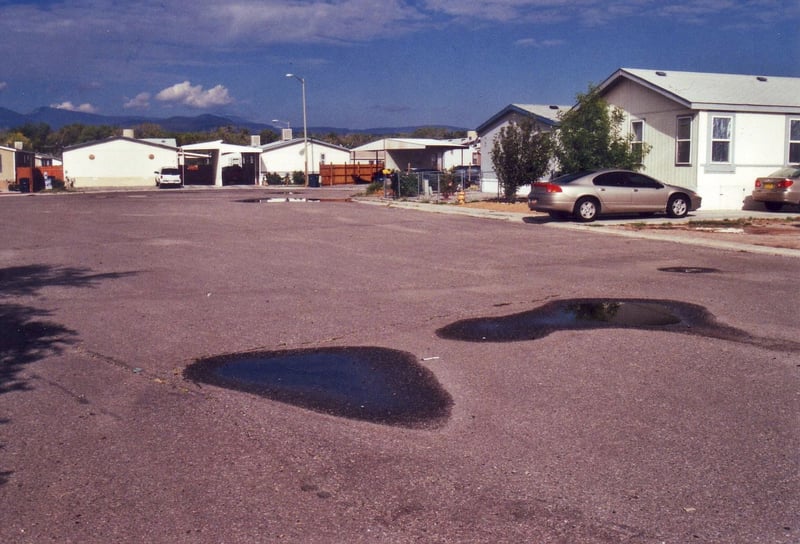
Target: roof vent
x,y
662,74
761,78
553,107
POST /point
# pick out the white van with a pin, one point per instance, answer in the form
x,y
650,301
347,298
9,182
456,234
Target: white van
x,y
168,176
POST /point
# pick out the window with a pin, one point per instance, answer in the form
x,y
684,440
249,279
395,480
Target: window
x,y
794,141
637,140
683,141
721,139
640,181
611,179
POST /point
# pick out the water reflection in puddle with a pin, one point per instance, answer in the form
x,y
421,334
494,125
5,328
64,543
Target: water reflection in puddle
x,y
688,269
368,383
289,199
581,314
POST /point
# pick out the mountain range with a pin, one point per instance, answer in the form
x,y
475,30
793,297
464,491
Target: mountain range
x,y
58,118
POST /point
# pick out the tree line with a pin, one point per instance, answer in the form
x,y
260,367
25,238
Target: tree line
x,y
40,137
589,137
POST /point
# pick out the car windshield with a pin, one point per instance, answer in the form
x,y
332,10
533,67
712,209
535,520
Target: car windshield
x,y
569,178
169,172
787,172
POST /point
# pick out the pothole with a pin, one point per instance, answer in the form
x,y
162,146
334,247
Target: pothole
x,y
582,314
367,383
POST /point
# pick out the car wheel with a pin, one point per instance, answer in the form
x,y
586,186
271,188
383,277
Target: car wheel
x,y
586,209
678,206
773,206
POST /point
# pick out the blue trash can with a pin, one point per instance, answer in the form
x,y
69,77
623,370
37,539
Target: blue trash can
x,y
24,185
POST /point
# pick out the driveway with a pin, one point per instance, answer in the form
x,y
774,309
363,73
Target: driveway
x,y
682,429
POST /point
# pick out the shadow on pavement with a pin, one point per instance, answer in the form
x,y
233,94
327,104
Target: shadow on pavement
x,y
26,335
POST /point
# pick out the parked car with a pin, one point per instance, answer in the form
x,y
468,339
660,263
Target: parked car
x,y
585,195
467,175
168,176
779,188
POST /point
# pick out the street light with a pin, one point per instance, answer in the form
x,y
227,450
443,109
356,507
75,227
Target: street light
x,y
305,126
288,125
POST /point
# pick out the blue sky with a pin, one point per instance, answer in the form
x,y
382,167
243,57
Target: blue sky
x,y
368,63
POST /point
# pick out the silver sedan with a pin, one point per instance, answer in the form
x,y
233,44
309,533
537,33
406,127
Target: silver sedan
x,y
586,195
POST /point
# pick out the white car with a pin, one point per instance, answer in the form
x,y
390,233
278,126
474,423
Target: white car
x,y
168,176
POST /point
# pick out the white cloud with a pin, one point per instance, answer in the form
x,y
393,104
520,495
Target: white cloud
x,y
85,108
139,102
195,96
533,42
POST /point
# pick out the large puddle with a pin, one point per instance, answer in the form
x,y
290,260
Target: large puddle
x,y
368,383
581,314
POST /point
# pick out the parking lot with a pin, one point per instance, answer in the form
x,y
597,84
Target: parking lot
x,y
635,433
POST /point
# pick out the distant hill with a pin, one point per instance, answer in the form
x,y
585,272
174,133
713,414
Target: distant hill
x,y
58,118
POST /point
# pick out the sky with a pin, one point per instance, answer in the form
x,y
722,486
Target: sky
x,y
368,63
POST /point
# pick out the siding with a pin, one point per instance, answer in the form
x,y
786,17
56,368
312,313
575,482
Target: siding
x,y
118,163
660,123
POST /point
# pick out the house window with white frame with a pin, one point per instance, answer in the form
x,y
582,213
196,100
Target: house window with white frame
x,y
721,139
683,140
637,140
794,141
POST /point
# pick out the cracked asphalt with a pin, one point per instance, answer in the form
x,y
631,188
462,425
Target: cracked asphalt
x,y
582,436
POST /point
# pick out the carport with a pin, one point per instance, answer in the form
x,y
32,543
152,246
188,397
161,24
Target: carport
x,y
217,163
406,153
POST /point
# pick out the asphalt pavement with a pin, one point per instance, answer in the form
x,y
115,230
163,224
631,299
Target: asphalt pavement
x,y
669,431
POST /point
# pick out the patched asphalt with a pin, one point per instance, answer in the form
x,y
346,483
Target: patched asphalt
x,y
585,435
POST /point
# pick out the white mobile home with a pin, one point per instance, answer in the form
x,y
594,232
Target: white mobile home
x,y
714,133
116,162
545,117
287,156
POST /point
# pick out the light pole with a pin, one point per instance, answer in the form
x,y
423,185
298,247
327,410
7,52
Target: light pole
x,y
305,126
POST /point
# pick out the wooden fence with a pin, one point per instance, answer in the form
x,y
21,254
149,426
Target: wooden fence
x,y
347,174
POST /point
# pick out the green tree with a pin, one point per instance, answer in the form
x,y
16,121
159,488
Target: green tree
x,y
9,138
268,136
590,137
521,154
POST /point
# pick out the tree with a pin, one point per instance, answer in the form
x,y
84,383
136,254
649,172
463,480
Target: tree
x,y
590,137
521,154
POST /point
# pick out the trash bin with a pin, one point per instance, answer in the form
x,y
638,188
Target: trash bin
x,y
24,185
313,180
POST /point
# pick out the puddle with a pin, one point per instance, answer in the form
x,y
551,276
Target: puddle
x,y
278,200
368,383
581,314
688,269
283,200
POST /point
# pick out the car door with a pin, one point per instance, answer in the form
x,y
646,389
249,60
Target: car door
x,y
613,191
647,194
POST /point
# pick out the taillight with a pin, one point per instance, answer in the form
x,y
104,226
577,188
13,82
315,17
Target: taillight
x,y
548,187
758,184
785,184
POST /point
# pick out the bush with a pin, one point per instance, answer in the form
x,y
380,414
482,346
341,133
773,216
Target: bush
x,y
273,178
298,178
